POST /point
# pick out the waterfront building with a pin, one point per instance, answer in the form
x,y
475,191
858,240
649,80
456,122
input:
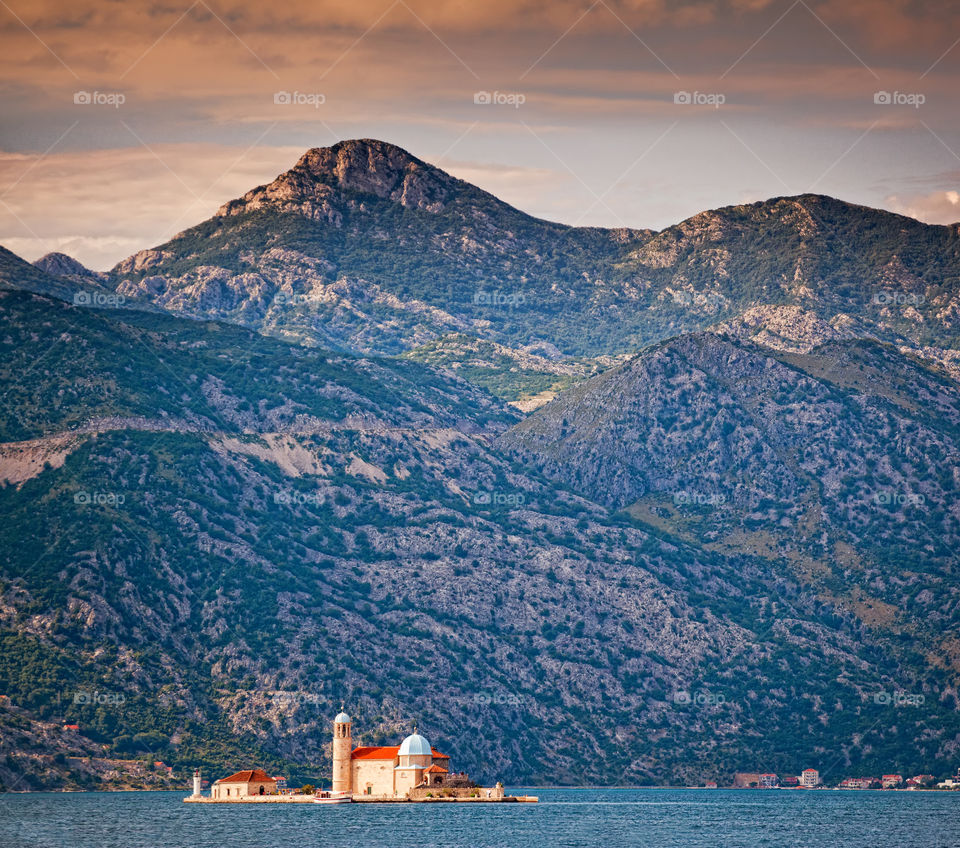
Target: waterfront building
x,y
244,784
391,771
809,778
384,771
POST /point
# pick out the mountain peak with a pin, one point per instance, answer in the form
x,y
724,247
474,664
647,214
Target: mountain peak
x,y
325,178
62,265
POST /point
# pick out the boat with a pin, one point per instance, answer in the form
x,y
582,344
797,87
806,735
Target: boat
x,y
325,796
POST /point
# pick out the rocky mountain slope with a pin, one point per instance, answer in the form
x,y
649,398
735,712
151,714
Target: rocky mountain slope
x,y
269,467
841,464
364,234
211,539
365,248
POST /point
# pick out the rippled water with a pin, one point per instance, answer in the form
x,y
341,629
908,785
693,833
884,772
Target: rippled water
x,y
564,817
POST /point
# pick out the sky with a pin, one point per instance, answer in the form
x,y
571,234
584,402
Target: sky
x,y
123,123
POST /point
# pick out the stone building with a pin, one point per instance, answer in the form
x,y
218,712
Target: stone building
x,y
386,771
244,784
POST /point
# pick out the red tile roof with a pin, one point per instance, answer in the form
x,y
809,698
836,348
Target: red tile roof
x,y
389,752
248,776
376,753
435,769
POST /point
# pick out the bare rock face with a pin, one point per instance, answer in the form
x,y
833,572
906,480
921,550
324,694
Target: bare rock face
x,y
326,176
62,265
787,328
141,261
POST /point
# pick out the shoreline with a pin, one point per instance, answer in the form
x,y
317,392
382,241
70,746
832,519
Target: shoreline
x,y
360,799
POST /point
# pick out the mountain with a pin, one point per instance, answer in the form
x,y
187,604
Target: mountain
x,y
285,464
450,248
365,248
15,273
839,465
61,265
212,539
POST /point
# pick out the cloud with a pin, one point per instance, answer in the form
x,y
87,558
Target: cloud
x,y
938,207
101,206
200,86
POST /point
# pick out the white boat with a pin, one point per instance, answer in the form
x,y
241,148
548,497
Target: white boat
x,y
329,797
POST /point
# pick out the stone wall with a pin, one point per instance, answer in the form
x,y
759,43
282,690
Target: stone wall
x,y
437,793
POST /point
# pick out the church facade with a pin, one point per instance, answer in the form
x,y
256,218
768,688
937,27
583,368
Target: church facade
x,y
385,771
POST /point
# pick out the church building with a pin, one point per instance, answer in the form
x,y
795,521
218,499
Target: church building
x,y
386,772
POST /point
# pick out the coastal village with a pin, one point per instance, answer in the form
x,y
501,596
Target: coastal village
x,y
412,771
810,779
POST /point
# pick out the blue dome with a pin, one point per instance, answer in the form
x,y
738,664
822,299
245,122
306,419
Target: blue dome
x,y
342,718
415,746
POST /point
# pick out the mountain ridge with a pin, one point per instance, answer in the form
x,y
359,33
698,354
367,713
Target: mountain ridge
x,y
707,552
363,247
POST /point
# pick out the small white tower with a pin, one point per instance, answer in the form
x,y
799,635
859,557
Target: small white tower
x,y
342,749
196,783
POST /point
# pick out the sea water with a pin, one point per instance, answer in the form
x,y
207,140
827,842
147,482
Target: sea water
x,y
661,818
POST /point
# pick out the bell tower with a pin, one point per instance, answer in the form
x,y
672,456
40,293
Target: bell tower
x,y
342,749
